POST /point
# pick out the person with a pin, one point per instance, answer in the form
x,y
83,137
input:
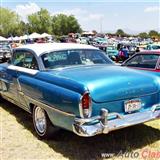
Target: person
x,y
137,49
120,54
118,46
126,53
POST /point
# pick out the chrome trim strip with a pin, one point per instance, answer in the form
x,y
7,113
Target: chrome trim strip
x,y
88,127
6,81
22,69
47,106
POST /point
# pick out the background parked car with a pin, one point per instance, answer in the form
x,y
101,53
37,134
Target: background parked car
x,y
153,47
147,60
5,51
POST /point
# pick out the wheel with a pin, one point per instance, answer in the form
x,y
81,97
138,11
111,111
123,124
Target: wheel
x,y
42,124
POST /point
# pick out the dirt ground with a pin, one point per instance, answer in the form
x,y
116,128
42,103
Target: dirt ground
x,y
19,141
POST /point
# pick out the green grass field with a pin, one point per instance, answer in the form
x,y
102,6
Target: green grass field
x,y
19,141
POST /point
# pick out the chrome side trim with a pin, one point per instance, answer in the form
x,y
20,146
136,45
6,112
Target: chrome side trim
x,y
6,81
43,105
22,69
88,127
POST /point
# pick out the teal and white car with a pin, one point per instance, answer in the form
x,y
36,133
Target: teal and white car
x,y
112,52
153,47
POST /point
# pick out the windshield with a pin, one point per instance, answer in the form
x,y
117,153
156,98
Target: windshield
x,y
65,58
143,61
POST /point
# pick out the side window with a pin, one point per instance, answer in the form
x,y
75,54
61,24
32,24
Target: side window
x,y
30,61
18,58
24,59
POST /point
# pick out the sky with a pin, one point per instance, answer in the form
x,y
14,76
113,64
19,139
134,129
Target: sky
x,y
133,16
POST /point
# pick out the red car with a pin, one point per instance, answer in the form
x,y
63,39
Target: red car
x,y
146,60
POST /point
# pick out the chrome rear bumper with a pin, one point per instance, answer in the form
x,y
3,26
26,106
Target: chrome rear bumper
x,y
87,127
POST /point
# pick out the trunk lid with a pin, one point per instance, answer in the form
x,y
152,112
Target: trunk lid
x,y
108,83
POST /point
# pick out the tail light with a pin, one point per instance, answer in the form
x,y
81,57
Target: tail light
x,y
85,105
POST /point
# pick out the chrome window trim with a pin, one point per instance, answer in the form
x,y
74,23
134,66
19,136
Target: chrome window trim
x,y
38,58
23,69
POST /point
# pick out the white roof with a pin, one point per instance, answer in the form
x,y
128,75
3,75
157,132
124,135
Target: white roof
x,y
40,48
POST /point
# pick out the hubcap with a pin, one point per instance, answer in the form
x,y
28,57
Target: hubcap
x,y
40,119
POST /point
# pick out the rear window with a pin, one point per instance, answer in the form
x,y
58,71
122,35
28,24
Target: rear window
x,y
143,61
66,58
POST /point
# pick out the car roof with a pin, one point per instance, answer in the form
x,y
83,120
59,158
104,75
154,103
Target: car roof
x,y
40,48
149,52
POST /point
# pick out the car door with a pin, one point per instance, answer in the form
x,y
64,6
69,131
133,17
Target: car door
x,y
23,63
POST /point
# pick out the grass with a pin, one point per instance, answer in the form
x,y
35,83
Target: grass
x,y
19,141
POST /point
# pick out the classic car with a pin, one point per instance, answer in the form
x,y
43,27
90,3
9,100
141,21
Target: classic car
x,y
112,52
152,47
100,40
146,60
78,88
5,51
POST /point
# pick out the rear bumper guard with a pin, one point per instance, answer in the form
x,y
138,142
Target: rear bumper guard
x,y
87,127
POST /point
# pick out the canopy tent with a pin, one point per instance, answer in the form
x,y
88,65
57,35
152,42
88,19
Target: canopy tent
x,y
13,38
10,39
45,35
16,38
35,35
87,33
24,37
3,39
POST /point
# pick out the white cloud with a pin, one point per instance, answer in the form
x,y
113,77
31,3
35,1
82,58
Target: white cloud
x,y
95,16
76,11
83,17
27,9
152,9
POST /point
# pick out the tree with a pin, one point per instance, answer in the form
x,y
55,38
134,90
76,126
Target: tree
x,y
9,22
40,21
153,34
143,35
95,32
73,25
21,29
120,32
63,24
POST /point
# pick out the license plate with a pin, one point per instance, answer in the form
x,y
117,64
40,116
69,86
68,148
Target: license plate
x,y
132,105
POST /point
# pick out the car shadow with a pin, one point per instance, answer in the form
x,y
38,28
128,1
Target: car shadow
x,y
73,147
